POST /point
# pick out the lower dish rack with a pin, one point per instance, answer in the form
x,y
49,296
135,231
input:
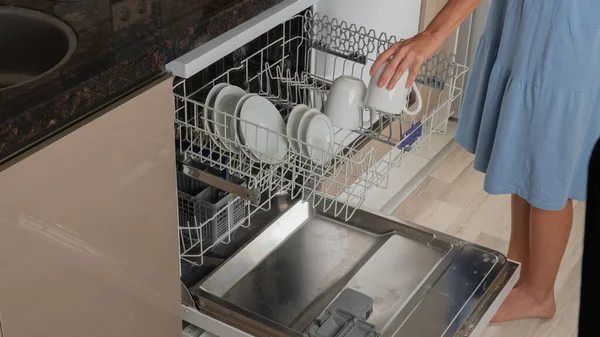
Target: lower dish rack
x,y
295,64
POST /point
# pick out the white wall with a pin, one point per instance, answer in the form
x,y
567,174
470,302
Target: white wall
x,y
395,17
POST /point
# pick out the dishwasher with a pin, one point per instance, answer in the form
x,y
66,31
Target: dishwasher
x,y
282,247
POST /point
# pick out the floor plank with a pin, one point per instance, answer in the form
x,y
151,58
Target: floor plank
x,y
451,168
483,210
439,215
464,188
499,224
421,199
493,242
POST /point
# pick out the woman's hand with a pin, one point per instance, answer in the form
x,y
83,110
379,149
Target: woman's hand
x,y
412,52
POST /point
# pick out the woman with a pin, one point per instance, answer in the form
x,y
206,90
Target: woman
x,y
531,117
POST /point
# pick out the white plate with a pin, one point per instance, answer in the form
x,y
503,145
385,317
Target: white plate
x,y
303,126
238,135
208,114
320,139
224,123
293,124
266,141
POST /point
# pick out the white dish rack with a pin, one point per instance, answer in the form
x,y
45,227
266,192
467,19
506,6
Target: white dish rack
x,y
302,73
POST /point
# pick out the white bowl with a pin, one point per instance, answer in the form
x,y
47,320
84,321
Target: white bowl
x,y
345,102
391,101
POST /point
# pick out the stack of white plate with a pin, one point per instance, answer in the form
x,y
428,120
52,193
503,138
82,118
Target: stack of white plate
x,y
245,124
311,134
250,125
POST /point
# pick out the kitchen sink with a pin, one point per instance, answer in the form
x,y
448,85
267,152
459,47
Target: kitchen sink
x,y
34,44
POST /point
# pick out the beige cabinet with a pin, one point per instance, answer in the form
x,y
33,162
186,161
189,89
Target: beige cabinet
x,y
88,239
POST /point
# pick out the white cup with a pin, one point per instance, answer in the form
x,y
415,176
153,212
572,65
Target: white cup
x,y
345,102
391,101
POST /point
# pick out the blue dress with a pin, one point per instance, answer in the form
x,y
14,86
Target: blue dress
x,y
531,111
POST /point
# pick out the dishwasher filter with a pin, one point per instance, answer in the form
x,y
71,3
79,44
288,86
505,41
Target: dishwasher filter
x,y
345,317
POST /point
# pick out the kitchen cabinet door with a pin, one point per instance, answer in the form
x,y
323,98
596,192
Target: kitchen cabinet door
x,y
88,238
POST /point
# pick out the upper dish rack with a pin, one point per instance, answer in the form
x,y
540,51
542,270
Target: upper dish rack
x,y
295,64
361,45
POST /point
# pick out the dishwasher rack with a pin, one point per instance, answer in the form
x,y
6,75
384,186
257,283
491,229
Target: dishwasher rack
x,y
299,69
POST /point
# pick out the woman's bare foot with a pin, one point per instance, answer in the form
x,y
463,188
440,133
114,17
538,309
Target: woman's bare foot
x,y
520,304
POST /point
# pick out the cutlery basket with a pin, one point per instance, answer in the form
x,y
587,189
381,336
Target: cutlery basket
x,y
206,213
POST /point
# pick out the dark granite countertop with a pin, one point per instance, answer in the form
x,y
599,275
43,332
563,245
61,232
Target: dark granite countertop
x,y
122,45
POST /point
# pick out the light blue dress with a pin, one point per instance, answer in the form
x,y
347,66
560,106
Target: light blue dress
x,y
531,111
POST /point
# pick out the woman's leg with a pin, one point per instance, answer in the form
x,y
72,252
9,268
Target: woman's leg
x,y
518,247
534,298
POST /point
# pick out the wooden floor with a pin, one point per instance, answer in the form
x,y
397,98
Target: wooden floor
x,y
452,200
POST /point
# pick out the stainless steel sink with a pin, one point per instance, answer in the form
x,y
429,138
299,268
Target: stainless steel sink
x,y
33,44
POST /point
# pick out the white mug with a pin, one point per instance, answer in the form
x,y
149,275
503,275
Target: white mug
x,y
391,101
345,102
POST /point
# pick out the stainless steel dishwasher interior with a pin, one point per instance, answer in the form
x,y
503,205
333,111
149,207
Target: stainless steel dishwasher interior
x,y
285,277
38,43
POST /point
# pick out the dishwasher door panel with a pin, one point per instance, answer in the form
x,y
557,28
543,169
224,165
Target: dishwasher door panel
x,y
421,282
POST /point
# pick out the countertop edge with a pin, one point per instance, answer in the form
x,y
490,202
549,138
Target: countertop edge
x,y
89,117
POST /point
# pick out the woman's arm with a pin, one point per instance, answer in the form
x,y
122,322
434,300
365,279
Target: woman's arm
x,y
414,51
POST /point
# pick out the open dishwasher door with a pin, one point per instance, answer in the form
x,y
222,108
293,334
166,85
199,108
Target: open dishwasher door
x,y
370,276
